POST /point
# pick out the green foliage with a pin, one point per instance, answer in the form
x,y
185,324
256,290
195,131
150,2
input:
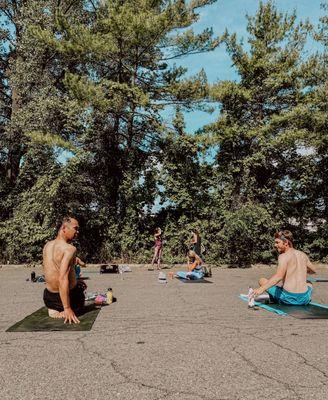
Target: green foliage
x,y
246,236
263,160
32,222
92,78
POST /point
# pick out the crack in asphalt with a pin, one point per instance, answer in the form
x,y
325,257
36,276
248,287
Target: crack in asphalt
x,y
141,325
256,371
305,360
167,392
88,350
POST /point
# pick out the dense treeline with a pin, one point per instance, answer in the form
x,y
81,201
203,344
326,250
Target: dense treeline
x,y
94,77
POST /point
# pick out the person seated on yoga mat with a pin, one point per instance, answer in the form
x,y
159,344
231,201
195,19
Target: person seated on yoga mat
x,y
293,266
195,270
64,295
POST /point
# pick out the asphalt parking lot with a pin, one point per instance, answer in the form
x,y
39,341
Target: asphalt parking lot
x,y
171,341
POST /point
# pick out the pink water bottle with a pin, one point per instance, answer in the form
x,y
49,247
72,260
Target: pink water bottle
x,y
250,298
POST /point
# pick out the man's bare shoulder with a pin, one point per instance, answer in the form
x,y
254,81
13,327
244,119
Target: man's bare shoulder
x,y
69,248
290,254
302,255
47,245
60,245
300,252
283,257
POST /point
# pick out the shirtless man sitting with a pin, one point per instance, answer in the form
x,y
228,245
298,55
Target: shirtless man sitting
x,y
293,266
63,295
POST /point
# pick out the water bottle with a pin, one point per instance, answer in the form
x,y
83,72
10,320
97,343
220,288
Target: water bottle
x,y
109,296
250,298
33,277
162,277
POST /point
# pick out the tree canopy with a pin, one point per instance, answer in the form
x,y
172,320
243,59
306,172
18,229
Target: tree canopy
x,y
84,87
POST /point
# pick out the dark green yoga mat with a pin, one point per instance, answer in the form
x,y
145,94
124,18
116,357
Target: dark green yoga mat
x,y
39,321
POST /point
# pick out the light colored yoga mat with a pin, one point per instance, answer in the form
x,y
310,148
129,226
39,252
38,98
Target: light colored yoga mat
x,y
317,279
311,311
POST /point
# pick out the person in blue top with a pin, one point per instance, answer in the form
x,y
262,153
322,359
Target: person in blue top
x,y
78,264
293,267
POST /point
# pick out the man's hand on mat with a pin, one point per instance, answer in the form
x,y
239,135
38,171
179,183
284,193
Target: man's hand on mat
x,y
258,291
70,316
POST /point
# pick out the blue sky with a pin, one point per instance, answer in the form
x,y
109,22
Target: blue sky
x,y
231,14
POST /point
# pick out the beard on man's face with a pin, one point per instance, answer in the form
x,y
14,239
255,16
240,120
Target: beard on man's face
x,y
278,249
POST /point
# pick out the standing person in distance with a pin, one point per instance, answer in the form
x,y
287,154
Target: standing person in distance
x,y
158,249
196,242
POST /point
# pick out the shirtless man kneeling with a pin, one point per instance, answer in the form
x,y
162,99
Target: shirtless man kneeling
x,y
63,296
293,266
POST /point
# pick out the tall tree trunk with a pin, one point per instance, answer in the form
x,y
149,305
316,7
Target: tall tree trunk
x,y
15,146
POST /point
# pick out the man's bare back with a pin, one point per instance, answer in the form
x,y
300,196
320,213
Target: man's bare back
x,y
53,253
63,296
296,264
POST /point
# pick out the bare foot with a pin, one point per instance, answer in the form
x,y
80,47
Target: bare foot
x,y
55,313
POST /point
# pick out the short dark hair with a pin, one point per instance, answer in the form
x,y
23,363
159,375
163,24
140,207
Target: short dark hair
x,y
285,235
66,220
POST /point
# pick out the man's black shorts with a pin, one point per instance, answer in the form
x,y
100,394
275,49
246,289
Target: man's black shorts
x,y
76,298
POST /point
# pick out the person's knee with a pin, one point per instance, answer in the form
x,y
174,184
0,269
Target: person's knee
x,y
262,281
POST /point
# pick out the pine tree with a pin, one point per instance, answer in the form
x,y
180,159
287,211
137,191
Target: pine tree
x,y
184,180
258,157
313,126
122,81
33,104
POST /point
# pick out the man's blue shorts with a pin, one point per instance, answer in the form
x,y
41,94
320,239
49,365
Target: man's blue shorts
x,y
281,296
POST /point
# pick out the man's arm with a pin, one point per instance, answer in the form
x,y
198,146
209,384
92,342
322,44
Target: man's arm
x,y
64,269
309,266
80,262
276,278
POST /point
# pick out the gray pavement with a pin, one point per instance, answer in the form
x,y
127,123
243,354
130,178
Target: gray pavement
x,y
175,342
